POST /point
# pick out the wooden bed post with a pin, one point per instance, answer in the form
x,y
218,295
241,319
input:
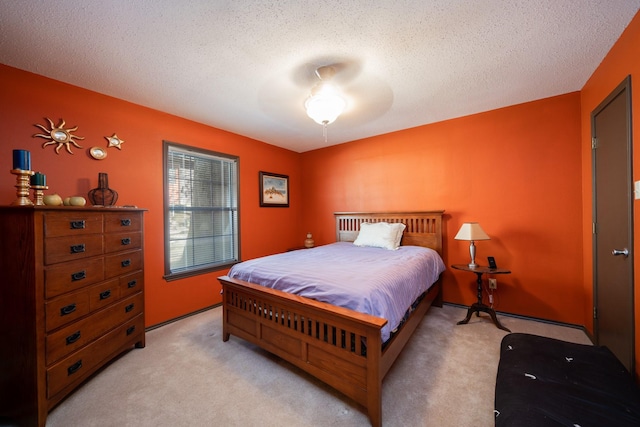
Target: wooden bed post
x,y
374,382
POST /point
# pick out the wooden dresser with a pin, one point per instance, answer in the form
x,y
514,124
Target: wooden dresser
x,y
71,299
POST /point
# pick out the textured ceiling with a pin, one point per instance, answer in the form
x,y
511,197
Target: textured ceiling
x,y
248,66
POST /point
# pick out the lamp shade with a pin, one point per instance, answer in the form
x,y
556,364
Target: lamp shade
x,y
471,231
325,105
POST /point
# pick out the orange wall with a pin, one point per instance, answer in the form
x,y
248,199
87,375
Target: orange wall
x,y
622,60
522,171
136,173
516,170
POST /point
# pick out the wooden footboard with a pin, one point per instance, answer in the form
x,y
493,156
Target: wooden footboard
x,y
340,347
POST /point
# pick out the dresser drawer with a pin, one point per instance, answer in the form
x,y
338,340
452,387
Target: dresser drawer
x,y
131,283
122,222
67,308
72,223
68,248
74,275
122,241
123,263
76,367
103,294
78,334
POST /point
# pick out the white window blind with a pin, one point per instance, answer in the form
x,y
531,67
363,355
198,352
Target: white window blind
x,y
201,216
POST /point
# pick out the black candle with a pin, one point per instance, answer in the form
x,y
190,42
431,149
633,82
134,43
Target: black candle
x,y
38,179
22,160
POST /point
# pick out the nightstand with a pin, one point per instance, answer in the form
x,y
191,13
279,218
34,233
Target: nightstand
x,y
480,306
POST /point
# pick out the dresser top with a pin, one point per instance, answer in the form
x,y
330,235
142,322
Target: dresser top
x,y
76,208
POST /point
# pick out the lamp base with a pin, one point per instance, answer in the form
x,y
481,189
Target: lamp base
x,y
472,252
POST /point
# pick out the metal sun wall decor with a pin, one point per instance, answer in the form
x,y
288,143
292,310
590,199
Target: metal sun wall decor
x,y
58,135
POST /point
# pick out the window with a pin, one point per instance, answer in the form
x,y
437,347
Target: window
x,y
201,210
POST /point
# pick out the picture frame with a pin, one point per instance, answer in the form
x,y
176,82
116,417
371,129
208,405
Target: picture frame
x,y
274,190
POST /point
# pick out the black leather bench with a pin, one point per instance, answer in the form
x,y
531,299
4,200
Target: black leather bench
x,y
547,382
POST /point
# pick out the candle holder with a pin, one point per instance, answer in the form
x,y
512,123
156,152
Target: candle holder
x,y
22,186
38,194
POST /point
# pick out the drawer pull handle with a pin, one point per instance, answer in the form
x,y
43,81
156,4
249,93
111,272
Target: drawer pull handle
x,y
76,249
68,309
80,275
126,241
74,368
125,222
106,294
132,284
126,263
130,330
77,225
73,337
129,308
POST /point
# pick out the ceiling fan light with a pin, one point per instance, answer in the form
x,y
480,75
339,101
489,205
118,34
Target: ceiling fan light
x,y
325,105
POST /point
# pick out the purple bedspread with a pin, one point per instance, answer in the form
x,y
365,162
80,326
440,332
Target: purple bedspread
x,y
375,281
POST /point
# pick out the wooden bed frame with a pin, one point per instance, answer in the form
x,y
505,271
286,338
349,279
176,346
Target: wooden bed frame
x,y
340,347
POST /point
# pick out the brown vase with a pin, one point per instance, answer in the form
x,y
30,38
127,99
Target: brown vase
x,y
103,195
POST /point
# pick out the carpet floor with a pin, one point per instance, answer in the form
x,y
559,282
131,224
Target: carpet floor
x,y
187,376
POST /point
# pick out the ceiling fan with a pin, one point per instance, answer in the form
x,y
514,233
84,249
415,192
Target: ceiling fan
x,y
285,93
325,102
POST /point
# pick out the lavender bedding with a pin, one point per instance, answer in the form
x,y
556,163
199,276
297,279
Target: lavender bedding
x,y
375,281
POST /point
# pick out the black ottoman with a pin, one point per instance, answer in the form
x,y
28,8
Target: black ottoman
x,y
547,382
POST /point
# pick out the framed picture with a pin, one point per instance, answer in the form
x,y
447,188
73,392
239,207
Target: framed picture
x,y
274,190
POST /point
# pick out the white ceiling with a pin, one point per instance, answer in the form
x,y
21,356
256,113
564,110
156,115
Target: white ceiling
x,y
248,66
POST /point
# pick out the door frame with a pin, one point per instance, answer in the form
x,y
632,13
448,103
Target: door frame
x,y
625,85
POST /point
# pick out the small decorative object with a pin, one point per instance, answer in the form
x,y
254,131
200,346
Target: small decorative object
x,y
38,179
77,201
98,153
103,195
38,182
22,187
58,135
308,242
52,200
114,141
274,190
22,171
22,160
38,193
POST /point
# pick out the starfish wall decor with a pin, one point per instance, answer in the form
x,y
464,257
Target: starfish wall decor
x,y
114,141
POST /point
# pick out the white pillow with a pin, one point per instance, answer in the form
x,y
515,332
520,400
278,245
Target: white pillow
x,y
380,235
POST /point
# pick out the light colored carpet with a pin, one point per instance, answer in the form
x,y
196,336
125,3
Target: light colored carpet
x,y
187,376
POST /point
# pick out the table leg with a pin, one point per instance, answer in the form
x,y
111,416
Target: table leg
x,y
479,282
477,307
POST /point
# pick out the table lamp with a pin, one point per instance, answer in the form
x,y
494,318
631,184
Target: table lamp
x,y
471,231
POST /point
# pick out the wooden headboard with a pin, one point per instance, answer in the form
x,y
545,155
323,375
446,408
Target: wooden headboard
x,y
423,228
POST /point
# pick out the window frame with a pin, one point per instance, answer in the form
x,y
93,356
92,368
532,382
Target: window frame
x,y
194,271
